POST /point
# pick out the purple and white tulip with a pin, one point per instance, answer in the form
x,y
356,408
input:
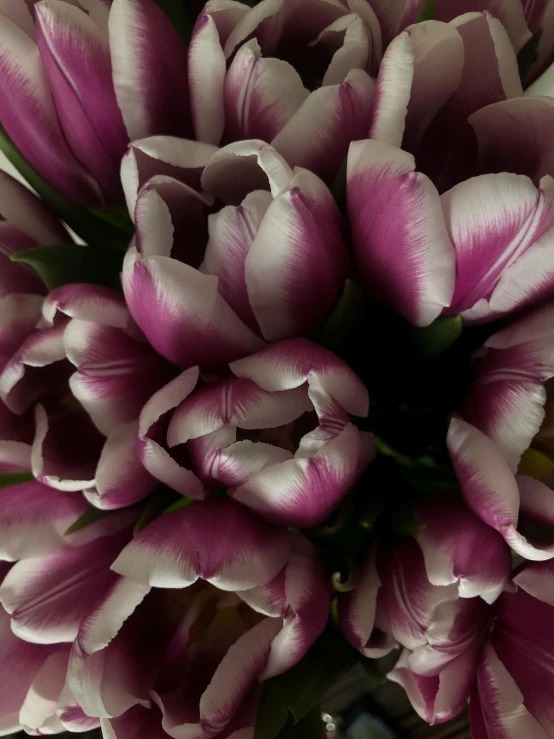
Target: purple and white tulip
x,y
220,614
481,250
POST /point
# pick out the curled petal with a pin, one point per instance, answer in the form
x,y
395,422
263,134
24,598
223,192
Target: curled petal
x,y
261,95
71,44
145,48
150,444
402,247
120,480
297,263
182,313
355,51
26,99
162,155
88,303
318,135
178,548
239,168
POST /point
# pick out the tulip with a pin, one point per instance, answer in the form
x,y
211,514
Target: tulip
x,y
223,613
276,433
480,250
274,265
429,594
501,446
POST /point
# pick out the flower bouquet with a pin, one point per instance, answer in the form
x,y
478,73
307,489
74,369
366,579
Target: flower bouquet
x,y
277,361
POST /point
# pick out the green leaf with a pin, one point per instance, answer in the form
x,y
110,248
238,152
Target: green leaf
x,y
158,503
310,727
428,11
179,13
183,502
439,336
60,264
527,54
341,332
90,516
86,224
287,699
14,478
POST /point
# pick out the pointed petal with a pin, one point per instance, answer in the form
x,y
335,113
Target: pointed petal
x,y
253,164
65,449
182,314
207,67
145,48
400,239
25,86
120,480
162,155
492,221
512,136
289,364
48,597
71,45
304,491
356,50
152,431
232,232
536,579
112,365
297,263
319,133
38,712
420,70
261,95
33,519
178,548
88,303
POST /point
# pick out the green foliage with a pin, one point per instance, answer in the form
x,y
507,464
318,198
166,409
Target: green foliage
x,y
428,11
288,699
439,336
527,54
60,264
8,479
90,516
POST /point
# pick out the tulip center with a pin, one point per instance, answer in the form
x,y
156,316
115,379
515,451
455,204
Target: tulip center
x,y
287,436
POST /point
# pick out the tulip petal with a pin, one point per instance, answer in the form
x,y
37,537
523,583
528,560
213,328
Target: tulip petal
x,y
420,70
136,723
502,704
120,480
20,15
182,314
178,548
402,247
492,221
356,50
150,445
48,597
19,315
297,263
65,449
17,277
207,67
33,519
304,491
27,99
511,136
38,712
291,363
145,48
71,45
356,611
232,232
112,365
162,155
239,168
319,133
88,303
261,95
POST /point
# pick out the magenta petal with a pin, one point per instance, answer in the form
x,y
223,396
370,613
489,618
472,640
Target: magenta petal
x,y
182,313
261,95
88,303
319,133
120,480
71,45
145,48
33,519
27,98
38,714
19,315
402,247
297,263
48,597
136,723
178,548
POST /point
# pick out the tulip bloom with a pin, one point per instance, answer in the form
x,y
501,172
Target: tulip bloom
x,y
429,594
481,250
217,614
274,265
502,446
